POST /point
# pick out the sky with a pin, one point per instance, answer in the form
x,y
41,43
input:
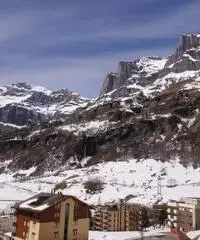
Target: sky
x,y
74,43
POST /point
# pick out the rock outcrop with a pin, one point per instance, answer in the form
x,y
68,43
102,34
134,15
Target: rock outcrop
x,y
146,71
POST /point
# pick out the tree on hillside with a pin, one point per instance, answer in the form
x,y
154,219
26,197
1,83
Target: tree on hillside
x,y
93,185
143,219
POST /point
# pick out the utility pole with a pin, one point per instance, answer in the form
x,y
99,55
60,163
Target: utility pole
x,y
159,189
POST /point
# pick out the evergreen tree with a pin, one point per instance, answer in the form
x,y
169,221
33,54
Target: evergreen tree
x,y
143,219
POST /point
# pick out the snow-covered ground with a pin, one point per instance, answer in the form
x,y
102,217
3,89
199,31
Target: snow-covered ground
x,y
122,178
96,235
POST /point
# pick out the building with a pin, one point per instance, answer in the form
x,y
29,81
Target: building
x,y
6,223
184,214
117,217
48,216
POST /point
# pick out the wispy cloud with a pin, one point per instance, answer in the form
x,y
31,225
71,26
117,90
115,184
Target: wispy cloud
x,y
74,43
84,75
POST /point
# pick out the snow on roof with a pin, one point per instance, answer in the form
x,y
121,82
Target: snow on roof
x,y
9,234
193,234
42,201
28,205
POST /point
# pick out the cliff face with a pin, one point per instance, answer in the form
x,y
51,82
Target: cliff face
x,y
150,108
146,72
188,44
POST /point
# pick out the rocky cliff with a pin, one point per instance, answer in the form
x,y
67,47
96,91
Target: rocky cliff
x,y
150,108
155,73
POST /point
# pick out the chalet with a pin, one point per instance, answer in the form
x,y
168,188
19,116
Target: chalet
x,y
48,216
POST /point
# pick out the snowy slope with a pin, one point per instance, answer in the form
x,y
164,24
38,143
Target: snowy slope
x,y
138,178
150,65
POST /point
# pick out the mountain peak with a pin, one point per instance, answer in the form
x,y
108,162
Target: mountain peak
x,y
188,41
187,53
20,84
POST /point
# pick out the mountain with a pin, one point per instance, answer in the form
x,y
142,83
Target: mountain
x,y
149,108
144,124
151,75
22,104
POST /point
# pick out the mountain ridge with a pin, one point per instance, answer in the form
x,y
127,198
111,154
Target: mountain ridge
x,y
148,109
185,58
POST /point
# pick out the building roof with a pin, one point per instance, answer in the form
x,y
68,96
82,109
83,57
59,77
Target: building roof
x,y
43,201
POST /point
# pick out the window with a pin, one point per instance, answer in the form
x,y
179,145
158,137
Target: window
x,y
57,224
24,223
32,236
23,234
56,214
55,235
34,225
75,232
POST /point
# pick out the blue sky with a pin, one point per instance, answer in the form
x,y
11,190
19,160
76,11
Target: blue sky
x,y
74,43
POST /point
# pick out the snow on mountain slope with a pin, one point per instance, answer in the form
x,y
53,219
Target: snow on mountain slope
x,y
91,128
122,178
171,78
4,100
150,65
153,74
43,104
148,109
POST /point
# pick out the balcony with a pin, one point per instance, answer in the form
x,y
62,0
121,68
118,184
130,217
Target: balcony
x,y
175,211
169,223
169,210
175,218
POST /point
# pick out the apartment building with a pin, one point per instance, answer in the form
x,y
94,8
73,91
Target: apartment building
x,y
117,217
53,217
6,223
185,214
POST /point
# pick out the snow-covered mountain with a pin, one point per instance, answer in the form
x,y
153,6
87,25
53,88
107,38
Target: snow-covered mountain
x,y
22,104
148,109
154,74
